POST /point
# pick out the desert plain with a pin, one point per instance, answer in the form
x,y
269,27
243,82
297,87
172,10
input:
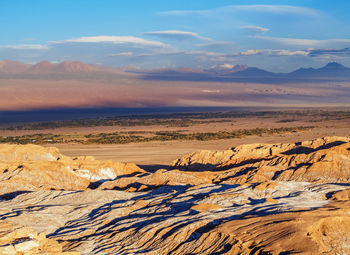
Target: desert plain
x,y
326,121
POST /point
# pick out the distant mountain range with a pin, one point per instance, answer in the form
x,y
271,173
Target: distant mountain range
x,y
14,67
56,71
241,73
226,73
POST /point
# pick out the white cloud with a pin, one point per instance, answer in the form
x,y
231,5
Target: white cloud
x,y
25,47
113,39
177,35
307,43
107,50
175,58
253,52
225,66
273,9
128,50
174,52
200,52
256,29
128,54
277,9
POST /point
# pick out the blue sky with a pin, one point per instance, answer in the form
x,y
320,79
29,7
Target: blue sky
x,y
278,35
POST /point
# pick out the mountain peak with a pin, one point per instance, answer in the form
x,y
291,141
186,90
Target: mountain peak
x,y
228,68
42,65
67,66
75,66
9,66
334,65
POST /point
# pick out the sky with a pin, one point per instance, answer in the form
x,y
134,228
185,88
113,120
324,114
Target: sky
x,y
276,35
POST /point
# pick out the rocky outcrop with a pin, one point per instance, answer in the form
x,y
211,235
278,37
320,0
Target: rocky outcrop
x,y
252,199
202,219
321,160
32,167
321,231
24,240
325,160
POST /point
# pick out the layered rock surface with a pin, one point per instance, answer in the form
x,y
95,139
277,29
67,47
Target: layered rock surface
x,y
16,239
252,199
32,167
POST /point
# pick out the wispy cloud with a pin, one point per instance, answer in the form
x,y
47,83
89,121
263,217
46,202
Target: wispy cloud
x,y
256,29
177,35
253,52
273,9
127,54
25,47
345,52
175,53
277,9
112,39
303,42
134,51
94,49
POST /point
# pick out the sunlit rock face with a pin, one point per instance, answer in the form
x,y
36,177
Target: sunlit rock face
x,y
15,239
32,167
252,199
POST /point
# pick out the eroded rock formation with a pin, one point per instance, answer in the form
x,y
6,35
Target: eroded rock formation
x,y
32,167
16,239
252,199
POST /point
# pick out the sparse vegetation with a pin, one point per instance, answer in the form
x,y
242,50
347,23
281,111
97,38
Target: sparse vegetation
x,y
286,121
113,122
138,137
186,119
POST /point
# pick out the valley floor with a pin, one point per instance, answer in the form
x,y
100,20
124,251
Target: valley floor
x,y
163,153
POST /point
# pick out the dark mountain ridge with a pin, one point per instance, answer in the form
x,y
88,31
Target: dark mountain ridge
x,y
333,71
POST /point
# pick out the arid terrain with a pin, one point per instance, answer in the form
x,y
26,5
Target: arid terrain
x,y
282,198
214,130
243,182
174,127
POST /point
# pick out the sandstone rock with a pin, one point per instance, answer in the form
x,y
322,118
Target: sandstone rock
x,y
321,160
253,199
265,186
177,219
203,159
15,239
160,178
271,200
12,152
32,167
205,207
322,231
343,195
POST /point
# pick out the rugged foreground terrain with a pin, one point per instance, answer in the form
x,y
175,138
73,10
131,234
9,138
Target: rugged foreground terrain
x,y
251,199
